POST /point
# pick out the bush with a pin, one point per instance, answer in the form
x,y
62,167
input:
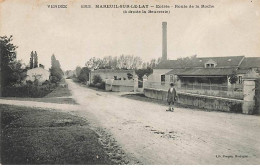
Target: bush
x,y
57,72
54,79
97,79
28,90
46,82
101,85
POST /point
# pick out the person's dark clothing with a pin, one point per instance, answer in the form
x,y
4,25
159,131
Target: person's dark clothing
x,y
171,96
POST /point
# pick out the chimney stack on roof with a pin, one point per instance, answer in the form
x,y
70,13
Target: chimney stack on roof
x,y
164,41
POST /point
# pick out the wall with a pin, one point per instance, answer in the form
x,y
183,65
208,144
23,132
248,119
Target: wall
x,y
257,97
120,85
117,88
109,74
41,74
200,101
156,75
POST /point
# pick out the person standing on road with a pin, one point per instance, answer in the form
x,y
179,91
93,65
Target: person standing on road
x,y
171,97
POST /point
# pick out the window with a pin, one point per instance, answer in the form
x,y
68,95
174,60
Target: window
x,y
240,79
171,78
210,65
163,79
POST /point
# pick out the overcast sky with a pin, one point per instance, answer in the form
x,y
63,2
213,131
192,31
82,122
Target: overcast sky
x,y
74,35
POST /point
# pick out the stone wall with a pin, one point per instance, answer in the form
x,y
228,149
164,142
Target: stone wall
x,y
119,88
257,97
120,85
200,101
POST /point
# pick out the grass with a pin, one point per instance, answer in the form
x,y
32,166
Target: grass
x,y
59,95
59,92
60,100
37,136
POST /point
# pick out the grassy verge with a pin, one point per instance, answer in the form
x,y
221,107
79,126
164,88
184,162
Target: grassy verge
x,y
59,92
59,95
59,100
37,136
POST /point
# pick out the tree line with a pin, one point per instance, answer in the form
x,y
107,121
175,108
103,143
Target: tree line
x,y
120,62
114,62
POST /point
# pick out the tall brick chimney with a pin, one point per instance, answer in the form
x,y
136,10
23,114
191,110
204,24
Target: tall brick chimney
x,y
164,41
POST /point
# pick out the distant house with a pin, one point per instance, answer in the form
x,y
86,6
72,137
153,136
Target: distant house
x,y
207,70
38,73
112,74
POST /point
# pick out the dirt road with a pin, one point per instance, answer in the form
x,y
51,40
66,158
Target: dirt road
x,y
186,136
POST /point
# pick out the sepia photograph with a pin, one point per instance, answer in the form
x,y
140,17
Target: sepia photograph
x,y
130,82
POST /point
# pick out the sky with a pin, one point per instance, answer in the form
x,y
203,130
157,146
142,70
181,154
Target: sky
x,y
76,34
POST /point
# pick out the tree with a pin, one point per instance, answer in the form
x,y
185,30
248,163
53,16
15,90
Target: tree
x,y
18,73
78,70
233,77
55,69
183,62
31,60
152,63
8,55
137,63
93,63
35,56
84,74
141,72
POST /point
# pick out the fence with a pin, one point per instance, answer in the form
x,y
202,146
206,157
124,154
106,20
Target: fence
x,y
234,91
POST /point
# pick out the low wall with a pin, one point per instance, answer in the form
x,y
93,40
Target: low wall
x,y
120,85
257,97
200,101
119,88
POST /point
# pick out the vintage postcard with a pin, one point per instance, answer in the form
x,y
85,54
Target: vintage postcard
x,y
130,82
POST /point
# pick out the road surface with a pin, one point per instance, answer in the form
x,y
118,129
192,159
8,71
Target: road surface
x,y
186,136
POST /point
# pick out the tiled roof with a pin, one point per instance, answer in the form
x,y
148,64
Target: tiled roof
x,y
229,61
168,64
202,72
250,62
242,71
175,71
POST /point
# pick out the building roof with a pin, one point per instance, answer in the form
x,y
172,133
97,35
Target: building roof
x,y
201,72
199,62
175,71
168,64
250,62
242,71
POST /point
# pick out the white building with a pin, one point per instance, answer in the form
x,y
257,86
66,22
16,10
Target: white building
x,y
38,73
